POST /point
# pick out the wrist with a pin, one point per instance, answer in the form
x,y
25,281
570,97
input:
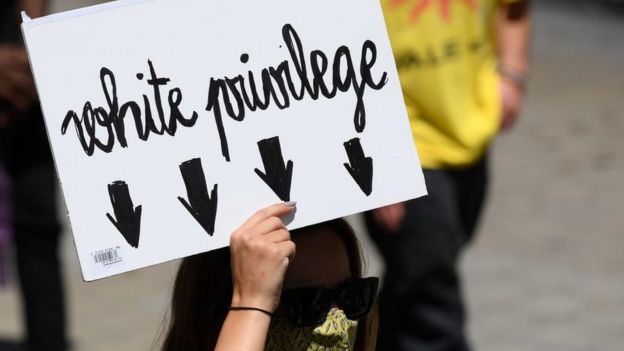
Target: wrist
x,y
252,310
518,77
257,302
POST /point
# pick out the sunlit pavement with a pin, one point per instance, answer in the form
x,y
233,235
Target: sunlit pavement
x,y
546,271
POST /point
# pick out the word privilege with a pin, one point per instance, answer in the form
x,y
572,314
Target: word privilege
x,y
232,95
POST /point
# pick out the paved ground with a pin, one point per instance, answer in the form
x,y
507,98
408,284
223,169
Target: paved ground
x,y
547,270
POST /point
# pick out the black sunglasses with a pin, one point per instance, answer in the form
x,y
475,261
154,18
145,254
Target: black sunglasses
x,y
306,307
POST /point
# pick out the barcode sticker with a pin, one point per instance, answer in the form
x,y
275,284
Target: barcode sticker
x,y
107,257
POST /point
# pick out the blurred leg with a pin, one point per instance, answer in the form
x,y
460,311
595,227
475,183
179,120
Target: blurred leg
x,y
386,337
37,245
473,184
421,305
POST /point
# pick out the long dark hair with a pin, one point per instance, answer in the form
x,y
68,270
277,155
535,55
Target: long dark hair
x,y
203,290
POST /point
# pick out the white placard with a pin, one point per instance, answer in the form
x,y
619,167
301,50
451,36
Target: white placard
x,y
172,121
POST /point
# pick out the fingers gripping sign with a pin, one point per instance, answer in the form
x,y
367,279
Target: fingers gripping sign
x,y
261,250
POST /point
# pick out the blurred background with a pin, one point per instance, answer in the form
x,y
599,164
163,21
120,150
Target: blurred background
x,y
547,269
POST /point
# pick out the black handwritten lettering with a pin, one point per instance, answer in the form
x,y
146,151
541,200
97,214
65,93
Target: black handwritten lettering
x,y
318,57
216,86
113,119
279,87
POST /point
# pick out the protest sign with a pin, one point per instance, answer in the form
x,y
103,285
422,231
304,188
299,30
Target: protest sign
x,y
172,121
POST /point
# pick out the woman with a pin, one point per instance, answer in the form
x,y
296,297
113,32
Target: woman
x,y
232,298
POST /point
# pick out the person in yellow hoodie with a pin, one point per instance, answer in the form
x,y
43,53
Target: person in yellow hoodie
x,y
463,67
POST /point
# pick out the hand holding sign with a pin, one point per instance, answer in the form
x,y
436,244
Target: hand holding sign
x,y
261,251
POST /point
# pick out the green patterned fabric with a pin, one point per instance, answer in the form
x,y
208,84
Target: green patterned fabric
x,y
337,333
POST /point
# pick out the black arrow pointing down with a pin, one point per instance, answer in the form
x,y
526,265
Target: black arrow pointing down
x,y
128,218
200,205
360,167
277,176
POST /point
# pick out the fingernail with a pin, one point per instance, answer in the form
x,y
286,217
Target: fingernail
x,y
291,203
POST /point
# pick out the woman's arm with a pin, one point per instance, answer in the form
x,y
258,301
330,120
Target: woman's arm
x,y
261,251
513,31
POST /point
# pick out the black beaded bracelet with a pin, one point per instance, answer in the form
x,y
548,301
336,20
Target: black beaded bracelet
x,y
246,308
